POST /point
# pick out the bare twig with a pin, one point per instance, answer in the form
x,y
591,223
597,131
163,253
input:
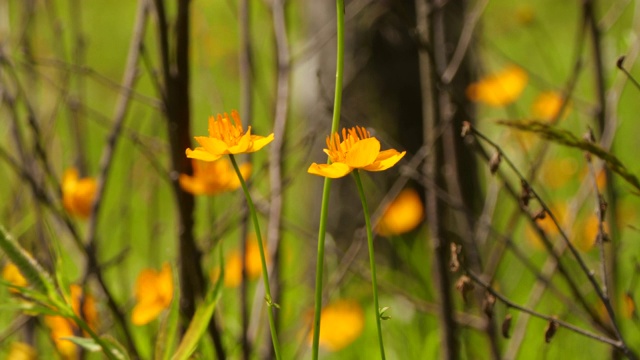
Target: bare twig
x,y
615,343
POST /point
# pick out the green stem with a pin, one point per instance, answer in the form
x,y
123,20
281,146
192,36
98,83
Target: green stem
x,y
337,104
265,274
372,261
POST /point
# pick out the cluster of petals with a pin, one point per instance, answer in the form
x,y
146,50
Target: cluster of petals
x,y
78,193
499,89
402,215
341,323
12,275
213,177
357,150
61,328
227,137
547,106
154,291
233,264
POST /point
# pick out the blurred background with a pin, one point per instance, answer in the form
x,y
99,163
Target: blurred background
x,y
100,99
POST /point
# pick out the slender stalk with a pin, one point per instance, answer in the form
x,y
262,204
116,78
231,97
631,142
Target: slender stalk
x,y
337,104
372,260
265,274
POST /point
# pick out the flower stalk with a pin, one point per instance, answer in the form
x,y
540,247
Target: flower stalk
x,y
265,274
324,211
372,261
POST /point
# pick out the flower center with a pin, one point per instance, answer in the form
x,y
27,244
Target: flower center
x,y
338,150
222,128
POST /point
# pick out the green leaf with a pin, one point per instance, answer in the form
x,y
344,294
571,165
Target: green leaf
x,y
117,350
29,267
86,343
201,318
169,328
566,138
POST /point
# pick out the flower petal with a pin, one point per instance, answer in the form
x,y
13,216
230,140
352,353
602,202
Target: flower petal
x,y
333,171
193,185
144,313
243,145
213,145
363,153
258,142
201,154
385,160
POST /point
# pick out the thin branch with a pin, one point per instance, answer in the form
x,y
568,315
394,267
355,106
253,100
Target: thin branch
x,y
615,343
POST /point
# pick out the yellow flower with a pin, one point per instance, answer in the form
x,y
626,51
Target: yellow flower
x,y
402,215
557,172
21,351
547,225
499,89
590,230
62,327
77,194
341,323
12,275
233,265
357,150
154,291
213,177
547,105
226,138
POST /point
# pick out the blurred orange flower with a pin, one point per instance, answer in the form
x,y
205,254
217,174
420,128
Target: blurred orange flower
x,y
547,226
61,327
557,172
213,177
77,193
12,275
590,229
547,105
226,138
341,323
233,264
402,215
499,89
154,291
357,150
21,351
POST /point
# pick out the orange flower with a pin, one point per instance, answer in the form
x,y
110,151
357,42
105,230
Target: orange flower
x,y
226,138
547,105
21,351
62,327
213,177
557,172
357,150
402,215
12,275
233,265
547,225
154,291
590,230
341,323
77,194
499,89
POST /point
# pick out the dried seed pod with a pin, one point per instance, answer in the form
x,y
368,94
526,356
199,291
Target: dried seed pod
x,y
525,193
506,326
466,128
620,63
604,205
454,264
540,215
464,285
550,331
487,304
494,162
629,306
